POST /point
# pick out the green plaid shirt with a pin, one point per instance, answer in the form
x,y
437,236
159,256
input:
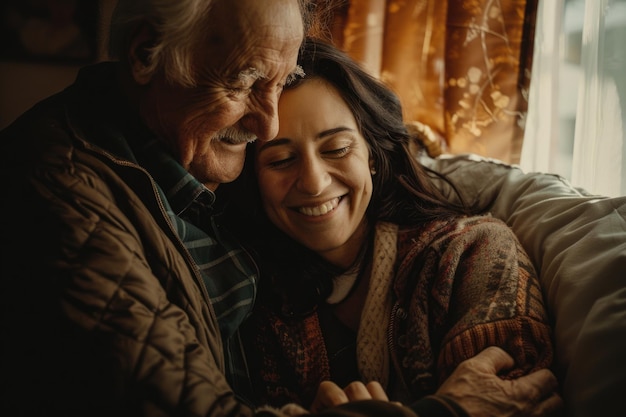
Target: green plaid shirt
x,y
228,271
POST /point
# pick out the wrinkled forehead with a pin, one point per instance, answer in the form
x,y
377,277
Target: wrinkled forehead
x,y
264,35
250,21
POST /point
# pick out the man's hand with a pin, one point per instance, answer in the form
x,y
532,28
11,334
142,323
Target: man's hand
x,y
330,394
476,387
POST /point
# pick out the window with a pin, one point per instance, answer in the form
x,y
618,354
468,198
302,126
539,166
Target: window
x,y
577,105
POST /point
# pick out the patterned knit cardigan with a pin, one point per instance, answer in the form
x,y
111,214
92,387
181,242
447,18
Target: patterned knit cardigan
x,y
438,294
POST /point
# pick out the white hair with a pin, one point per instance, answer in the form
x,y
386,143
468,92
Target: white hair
x,y
179,25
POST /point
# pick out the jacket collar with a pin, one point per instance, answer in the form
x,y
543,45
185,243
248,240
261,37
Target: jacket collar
x,y
100,110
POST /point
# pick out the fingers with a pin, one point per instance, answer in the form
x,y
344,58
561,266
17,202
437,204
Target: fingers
x,y
377,391
550,407
292,409
493,359
330,394
543,380
359,391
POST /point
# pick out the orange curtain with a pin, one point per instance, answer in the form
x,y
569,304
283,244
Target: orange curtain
x,y
461,67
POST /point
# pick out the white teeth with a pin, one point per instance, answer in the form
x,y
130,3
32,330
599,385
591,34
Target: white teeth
x,y
321,209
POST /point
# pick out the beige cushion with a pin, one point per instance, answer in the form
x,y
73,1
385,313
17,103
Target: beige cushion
x,y
577,241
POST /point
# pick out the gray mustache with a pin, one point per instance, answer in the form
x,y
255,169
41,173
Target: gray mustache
x,y
235,135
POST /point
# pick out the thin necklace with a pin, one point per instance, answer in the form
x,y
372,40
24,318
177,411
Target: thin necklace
x,y
345,282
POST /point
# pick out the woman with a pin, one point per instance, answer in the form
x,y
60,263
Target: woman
x,y
370,273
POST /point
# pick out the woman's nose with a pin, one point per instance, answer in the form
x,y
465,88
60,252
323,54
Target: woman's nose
x,y
313,178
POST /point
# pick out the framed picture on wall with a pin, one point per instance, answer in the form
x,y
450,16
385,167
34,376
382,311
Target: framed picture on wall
x,y
49,30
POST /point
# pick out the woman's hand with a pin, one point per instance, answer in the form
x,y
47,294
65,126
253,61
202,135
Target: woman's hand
x,y
330,394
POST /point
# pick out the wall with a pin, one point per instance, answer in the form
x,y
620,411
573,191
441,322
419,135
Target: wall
x,y
24,83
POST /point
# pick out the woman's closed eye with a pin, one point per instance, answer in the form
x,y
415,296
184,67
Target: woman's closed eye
x,y
285,161
280,161
337,153
280,164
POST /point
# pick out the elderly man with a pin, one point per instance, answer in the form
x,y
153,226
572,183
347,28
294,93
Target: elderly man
x,y
121,293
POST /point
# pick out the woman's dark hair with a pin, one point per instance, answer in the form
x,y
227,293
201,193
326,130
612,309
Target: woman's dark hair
x,y
403,192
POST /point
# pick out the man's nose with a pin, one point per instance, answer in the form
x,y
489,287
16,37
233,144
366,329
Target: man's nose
x,y
263,118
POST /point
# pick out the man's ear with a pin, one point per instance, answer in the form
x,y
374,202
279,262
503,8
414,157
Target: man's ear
x,y
139,55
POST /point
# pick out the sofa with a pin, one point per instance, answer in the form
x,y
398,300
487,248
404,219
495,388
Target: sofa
x,y
577,242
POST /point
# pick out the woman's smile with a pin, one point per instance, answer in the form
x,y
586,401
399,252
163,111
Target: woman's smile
x,y
321,209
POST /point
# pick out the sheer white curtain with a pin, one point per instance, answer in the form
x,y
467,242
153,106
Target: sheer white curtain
x,y
577,104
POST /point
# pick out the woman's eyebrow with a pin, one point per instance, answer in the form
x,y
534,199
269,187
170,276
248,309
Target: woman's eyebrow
x,y
272,143
332,131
